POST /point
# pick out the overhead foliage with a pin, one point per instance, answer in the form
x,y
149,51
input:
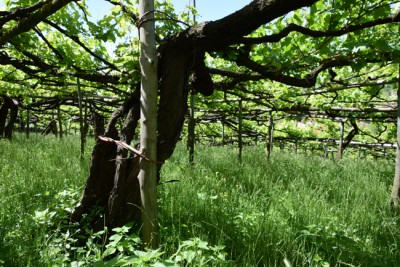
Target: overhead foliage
x,y
318,59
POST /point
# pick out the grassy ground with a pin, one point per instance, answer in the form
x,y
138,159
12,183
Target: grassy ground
x,y
310,211
31,173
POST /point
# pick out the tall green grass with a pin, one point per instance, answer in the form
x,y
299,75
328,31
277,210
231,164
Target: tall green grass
x,y
32,171
311,211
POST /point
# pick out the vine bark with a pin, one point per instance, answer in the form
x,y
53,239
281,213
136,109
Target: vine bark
x,y
112,185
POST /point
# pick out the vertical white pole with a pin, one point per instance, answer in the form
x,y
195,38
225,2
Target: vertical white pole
x,y
270,135
81,119
340,149
394,198
240,140
60,121
148,131
27,122
192,123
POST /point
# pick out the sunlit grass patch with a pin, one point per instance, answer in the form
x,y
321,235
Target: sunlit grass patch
x,y
307,210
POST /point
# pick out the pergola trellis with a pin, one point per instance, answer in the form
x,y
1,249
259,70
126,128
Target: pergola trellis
x,y
265,116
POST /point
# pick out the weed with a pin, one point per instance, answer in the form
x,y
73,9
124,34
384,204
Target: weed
x,y
304,211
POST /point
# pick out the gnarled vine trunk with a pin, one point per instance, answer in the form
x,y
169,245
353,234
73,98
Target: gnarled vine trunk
x,y
112,185
3,115
9,109
51,128
98,124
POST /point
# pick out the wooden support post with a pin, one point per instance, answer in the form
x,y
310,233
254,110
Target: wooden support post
x,y
85,122
81,119
21,124
223,130
68,130
60,121
192,122
148,124
27,122
340,148
191,128
333,153
295,147
270,135
395,195
240,140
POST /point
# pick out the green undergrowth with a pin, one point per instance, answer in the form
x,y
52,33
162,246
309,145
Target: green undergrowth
x,y
311,211
307,211
32,173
